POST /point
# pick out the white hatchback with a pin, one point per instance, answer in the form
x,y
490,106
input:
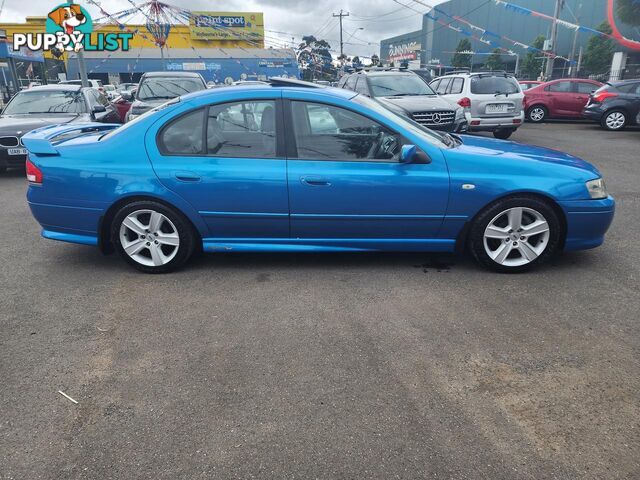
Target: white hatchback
x,y
492,101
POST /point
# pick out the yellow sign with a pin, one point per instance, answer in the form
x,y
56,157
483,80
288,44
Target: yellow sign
x,y
227,26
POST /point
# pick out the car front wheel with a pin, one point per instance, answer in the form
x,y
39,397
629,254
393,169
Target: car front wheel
x,y
152,237
537,114
614,120
514,234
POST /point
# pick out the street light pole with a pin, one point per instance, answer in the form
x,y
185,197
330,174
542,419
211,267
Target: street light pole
x,y
554,37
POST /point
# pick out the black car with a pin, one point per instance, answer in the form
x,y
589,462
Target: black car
x,y
48,105
615,105
156,88
406,93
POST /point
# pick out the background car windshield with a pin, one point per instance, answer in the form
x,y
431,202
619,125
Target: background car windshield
x,y
166,88
493,85
394,85
46,102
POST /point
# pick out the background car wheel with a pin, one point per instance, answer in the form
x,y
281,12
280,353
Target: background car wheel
x,y
537,114
152,237
514,234
614,120
503,134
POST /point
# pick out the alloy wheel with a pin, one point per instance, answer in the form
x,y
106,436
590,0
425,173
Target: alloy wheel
x,y
615,120
516,237
537,114
149,238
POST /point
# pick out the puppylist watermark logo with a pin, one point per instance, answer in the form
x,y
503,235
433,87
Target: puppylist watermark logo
x,y
69,27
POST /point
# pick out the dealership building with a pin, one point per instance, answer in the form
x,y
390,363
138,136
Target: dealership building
x,y
434,44
222,46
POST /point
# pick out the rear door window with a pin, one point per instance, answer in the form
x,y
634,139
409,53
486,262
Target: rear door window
x,y
585,87
351,82
361,86
486,85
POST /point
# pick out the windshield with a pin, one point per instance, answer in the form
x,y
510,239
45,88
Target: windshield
x,y
165,88
395,85
493,85
50,101
435,138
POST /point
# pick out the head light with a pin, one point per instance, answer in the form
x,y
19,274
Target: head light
x,y
597,188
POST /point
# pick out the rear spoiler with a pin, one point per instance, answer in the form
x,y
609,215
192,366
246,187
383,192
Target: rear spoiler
x,y
42,140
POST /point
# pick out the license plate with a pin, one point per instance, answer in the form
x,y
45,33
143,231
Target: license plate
x,y
17,151
497,108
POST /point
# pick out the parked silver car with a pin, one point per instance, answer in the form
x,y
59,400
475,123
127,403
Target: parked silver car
x,y
492,101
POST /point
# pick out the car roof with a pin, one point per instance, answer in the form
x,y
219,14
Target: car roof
x,y
338,93
172,74
378,73
67,87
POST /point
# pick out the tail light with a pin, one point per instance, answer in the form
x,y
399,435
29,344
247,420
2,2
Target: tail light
x,y
34,174
602,96
465,102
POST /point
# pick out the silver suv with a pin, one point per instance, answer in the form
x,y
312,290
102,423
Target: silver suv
x,y
492,101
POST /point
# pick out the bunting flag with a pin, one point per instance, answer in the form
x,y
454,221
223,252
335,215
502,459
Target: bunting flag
x,y
616,35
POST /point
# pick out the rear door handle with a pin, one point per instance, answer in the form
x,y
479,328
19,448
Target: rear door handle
x,y
187,176
315,181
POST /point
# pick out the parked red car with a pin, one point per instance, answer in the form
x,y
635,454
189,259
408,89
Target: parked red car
x,y
563,98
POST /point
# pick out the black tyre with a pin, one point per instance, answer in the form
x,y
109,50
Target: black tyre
x,y
537,114
515,234
152,237
503,134
614,120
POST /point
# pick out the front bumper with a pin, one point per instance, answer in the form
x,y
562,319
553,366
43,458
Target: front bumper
x,y
491,124
587,222
7,161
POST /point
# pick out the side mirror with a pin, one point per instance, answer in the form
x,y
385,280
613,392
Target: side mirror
x,y
99,109
407,153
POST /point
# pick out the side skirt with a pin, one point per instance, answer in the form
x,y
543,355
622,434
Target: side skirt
x,y
327,245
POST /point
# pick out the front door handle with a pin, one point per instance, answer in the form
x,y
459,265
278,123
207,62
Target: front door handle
x,y
187,176
315,181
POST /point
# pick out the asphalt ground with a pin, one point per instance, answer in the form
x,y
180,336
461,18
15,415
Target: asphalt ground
x,y
325,365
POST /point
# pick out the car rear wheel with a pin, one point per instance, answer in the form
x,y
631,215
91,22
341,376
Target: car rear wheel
x,y
152,237
514,234
537,114
503,134
614,120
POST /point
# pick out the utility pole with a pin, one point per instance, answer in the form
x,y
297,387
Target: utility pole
x,y
572,67
554,37
82,68
340,15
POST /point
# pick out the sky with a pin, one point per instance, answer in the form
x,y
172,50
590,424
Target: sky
x,y
282,18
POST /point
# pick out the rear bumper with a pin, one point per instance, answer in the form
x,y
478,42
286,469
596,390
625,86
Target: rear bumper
x,y
67,223
490,124
587,222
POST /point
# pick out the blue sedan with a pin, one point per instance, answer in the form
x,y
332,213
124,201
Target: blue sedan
x,y
286,166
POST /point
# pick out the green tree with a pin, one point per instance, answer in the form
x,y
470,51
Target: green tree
x,y
599,52
462,60
356,61
315,59
628,11
532,63
375,60
494,61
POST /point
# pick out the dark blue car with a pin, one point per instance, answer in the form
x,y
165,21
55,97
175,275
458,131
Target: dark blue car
x,y
287,167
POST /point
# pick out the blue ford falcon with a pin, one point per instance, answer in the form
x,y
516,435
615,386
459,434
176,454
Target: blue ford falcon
x,y
287,166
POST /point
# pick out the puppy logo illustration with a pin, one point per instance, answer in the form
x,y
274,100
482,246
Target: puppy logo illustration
x,y
68,17
70,22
